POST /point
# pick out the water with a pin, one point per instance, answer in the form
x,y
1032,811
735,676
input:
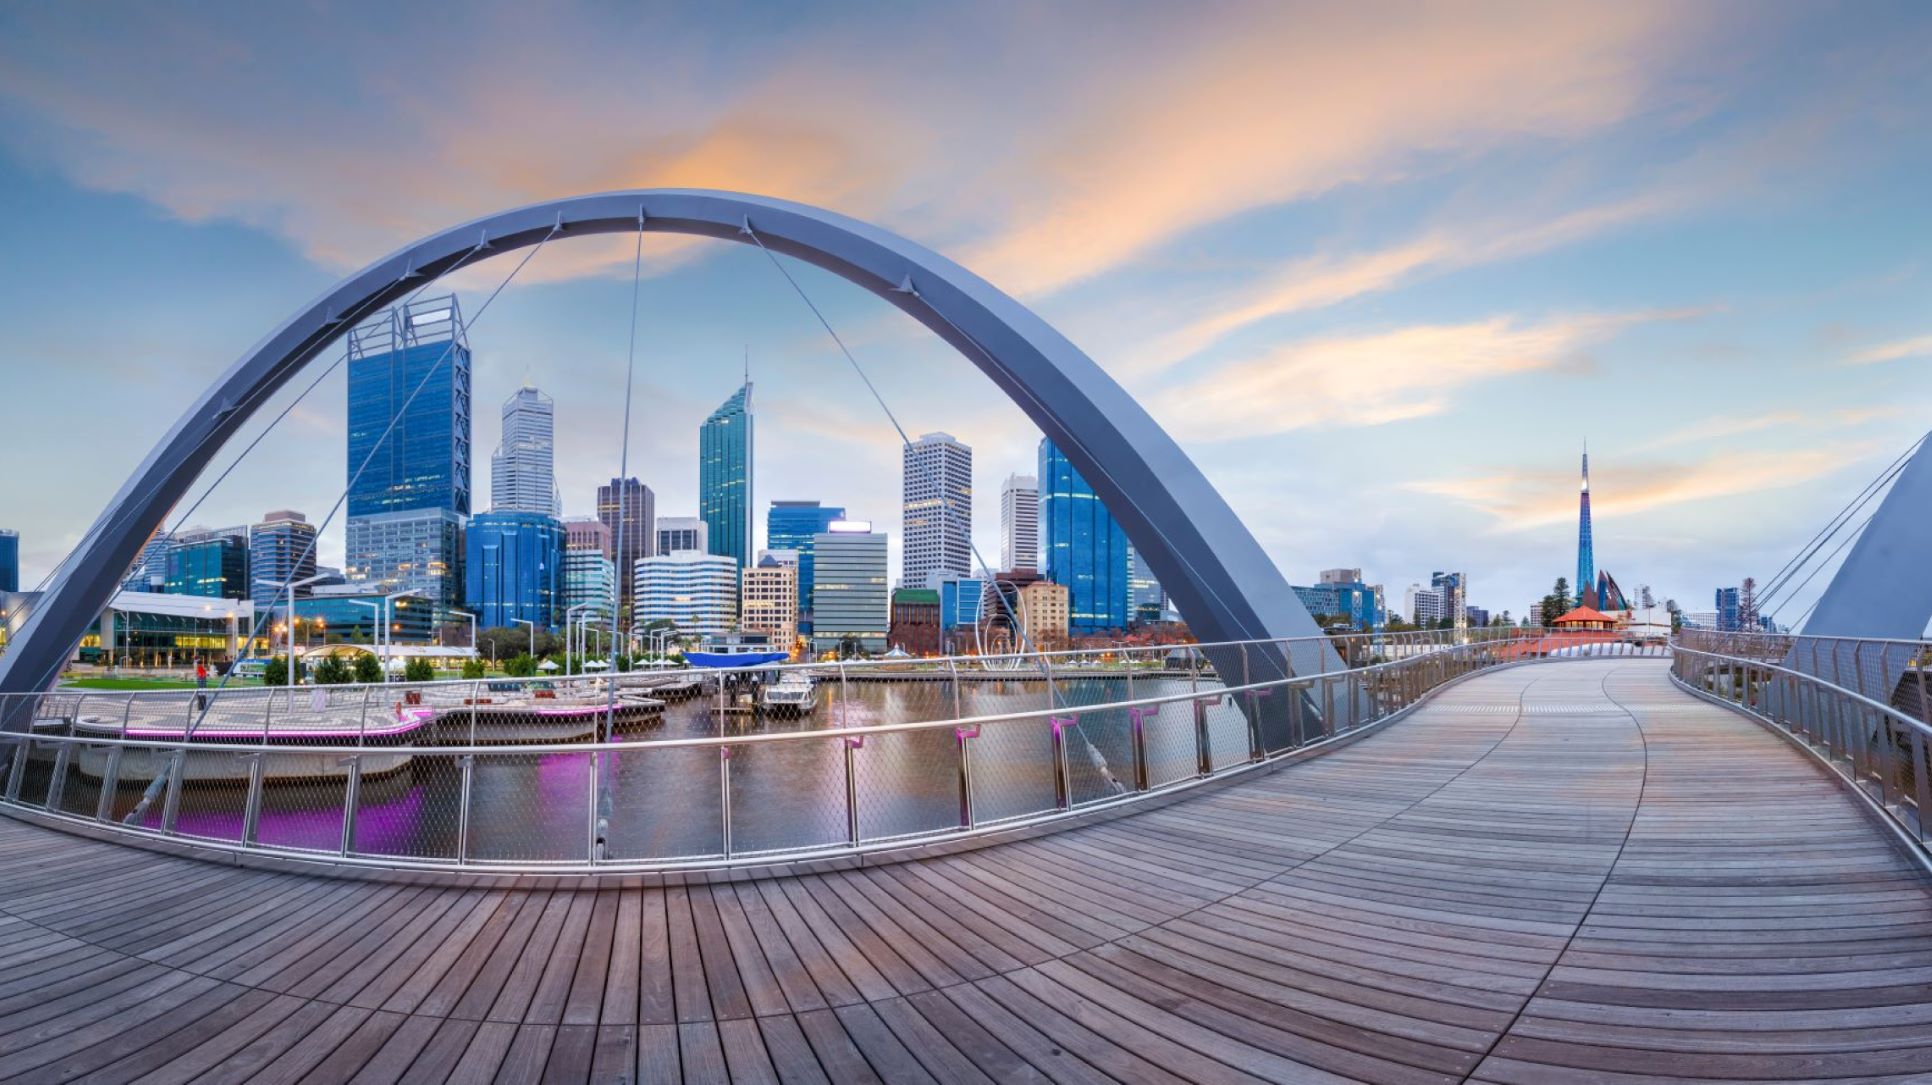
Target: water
x,y
670,803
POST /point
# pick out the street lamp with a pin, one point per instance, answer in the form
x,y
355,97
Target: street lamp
x,y
569,633
292,585
389,645
532,653
472,618
376,620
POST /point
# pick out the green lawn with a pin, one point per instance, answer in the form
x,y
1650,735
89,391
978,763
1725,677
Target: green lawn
x,y
129,683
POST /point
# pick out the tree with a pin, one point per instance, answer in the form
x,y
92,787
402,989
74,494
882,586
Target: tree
x,y
1557,603
368,668
330,670
276,672
472,669
521,665
418,670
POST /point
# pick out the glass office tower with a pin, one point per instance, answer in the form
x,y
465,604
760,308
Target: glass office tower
x,y
724,477
792,525
513,569
409,450
1086,550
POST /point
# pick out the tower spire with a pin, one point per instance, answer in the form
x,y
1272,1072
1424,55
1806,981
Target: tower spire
x,y
1586,562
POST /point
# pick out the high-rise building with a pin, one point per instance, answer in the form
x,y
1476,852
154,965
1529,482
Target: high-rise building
x,y
1586,557
696,592
1045,615
409,450
724,476
588,577
1086,550
850,601
514,569
1146,599
1730,610
1020,523
1340,576
150,571
1353,602
1426,607
769,599
682,533
629,510
587,533
281,550
792,525
523,470
213,564
9,560
1478,616
1454,590
937,510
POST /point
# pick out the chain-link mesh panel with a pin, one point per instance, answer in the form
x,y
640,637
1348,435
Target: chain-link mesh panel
x,y
530,807
1173,754
213,795
1012,770
1227,733
908,783
665,803
302,804
409,805
1100,755
787,795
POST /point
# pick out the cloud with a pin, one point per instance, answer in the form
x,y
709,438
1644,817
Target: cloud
x,y
1373,379
1897,350
1233,115
1521,500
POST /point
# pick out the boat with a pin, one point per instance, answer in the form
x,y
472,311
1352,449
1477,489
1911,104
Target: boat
x,y
736,651
794,694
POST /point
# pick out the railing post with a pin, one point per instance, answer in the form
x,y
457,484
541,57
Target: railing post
x,y
467,765
594,843
57,783
724,788
962,736
110,782
23,746
845,697
1203,750
1137,719
1062,786
952,670
351,800
171,804
852,745
1257,748
252,809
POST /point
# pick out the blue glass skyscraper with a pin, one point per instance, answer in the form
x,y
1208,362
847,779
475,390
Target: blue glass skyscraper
x,y
409,450
1586,558
724,476
9,561
1086,550
513,568
790,525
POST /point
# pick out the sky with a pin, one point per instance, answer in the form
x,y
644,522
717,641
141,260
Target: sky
x,y
1381,269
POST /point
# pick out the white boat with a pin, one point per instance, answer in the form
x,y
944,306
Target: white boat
x,y
793,693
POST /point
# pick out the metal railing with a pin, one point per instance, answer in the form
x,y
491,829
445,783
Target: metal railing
x,y
563,775
1863,707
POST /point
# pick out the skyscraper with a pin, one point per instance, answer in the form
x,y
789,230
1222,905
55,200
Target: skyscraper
x,y
587,533
937,510
792,525
1454,590
588,579
724,476
1146,599
1586,558
9,561
281,550
850,600
514,569
409,450
209,563
1086,550
629,509
523,472
697,593
1020,523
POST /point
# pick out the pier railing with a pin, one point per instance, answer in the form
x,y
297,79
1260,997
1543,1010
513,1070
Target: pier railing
x,y
562,776
1862,707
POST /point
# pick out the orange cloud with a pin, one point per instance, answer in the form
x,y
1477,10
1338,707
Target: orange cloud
x,y
1369,380
1897,350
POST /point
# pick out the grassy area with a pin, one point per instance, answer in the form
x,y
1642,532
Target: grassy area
x,y
128,683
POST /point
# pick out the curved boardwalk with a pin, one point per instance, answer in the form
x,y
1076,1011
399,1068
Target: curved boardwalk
x,y
1558,873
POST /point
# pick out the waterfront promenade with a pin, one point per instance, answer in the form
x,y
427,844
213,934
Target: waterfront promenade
x,y
1561,872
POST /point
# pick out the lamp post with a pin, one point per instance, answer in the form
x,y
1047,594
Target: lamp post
x,y
291,586
376,620
532,653
388,644
569,633
472,618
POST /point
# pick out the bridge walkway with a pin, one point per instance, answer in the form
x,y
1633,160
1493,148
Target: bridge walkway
x,y
1555,873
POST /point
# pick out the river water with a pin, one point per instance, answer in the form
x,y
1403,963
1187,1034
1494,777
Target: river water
x,y
668,803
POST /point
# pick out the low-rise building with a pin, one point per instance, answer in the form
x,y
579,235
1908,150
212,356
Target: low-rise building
x,y
916,628
694,591
769,598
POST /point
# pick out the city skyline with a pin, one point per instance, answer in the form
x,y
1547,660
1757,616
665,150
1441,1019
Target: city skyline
x,y
1560,250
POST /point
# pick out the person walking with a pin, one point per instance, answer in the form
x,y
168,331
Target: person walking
x,y
201,684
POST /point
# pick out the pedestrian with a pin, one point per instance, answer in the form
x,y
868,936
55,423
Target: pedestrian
x,y
201,684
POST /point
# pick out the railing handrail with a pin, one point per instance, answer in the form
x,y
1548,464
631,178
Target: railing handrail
x,y
1761,634
1760,665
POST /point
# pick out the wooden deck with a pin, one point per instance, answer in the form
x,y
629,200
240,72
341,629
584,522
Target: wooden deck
x,y
1558,873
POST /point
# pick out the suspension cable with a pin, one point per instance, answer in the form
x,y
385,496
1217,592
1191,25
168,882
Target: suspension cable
x,y
624,463
1837,522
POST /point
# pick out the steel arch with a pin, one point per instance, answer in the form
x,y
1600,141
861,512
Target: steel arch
x,y
1221,580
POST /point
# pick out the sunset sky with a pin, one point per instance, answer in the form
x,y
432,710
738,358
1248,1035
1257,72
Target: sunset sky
x,y
1380,269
